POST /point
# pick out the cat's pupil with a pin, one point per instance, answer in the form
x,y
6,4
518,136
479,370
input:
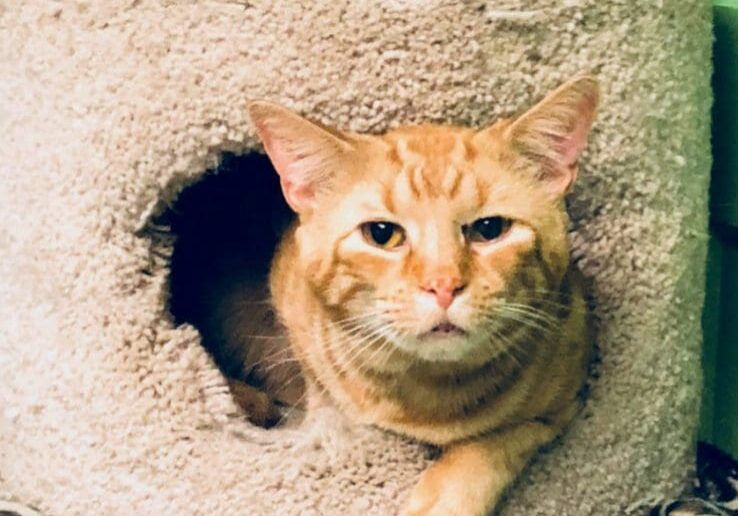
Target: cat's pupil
x,y
489,228
381,232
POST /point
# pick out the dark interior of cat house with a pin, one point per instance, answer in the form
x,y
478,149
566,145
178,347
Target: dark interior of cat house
x,y
226,228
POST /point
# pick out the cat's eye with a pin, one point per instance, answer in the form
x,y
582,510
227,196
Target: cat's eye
x,y
487,229
386,235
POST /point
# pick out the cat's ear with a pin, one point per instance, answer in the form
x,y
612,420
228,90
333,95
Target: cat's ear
x,y
554,131
304,153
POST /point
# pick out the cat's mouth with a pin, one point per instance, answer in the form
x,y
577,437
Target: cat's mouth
x,y
445,329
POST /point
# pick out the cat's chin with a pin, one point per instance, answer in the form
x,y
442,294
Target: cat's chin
x,y
443,343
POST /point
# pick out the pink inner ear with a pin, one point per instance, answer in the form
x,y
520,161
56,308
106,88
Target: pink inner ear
x,y
292,176
277,153
573,145
297,195
570,148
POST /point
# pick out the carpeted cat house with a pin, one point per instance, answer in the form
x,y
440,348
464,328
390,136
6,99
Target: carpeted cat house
x,y
112,111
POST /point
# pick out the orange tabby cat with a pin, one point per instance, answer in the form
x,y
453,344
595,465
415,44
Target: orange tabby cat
x,y
427,289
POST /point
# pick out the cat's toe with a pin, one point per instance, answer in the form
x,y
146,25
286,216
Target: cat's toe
x,y
258,407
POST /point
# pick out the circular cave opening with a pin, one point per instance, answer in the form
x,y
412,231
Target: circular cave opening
x,y
226,228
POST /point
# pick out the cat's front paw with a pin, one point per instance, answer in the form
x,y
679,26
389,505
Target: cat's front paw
x,y
441,503
430,498
258,407
422,506
463,482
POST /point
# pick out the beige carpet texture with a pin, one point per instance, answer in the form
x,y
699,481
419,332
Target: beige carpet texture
x,y
110,109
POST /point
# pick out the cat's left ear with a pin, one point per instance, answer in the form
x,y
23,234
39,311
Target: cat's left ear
x,y
305,154
554,132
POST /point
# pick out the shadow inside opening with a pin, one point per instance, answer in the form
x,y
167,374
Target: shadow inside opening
x,y
226,228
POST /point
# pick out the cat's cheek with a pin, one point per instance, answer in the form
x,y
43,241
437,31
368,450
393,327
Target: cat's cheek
x,y
343,290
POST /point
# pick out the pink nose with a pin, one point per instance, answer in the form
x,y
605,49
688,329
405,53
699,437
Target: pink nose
x,y
445,289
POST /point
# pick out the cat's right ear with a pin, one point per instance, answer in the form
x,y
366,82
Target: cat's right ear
x,y
553,133
304,153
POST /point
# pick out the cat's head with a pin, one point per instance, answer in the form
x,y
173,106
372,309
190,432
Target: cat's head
x,y
435,237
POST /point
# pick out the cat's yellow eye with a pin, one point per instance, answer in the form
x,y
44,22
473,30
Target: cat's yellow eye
x,y
487,229
385,235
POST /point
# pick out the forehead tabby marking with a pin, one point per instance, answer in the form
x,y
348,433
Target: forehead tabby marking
x,y
432,161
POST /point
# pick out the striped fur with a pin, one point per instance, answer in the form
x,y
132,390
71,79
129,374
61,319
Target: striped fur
x,y
360,325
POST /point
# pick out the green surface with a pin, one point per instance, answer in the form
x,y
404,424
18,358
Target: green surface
x,y
710,325
720,318
724,190
725,430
